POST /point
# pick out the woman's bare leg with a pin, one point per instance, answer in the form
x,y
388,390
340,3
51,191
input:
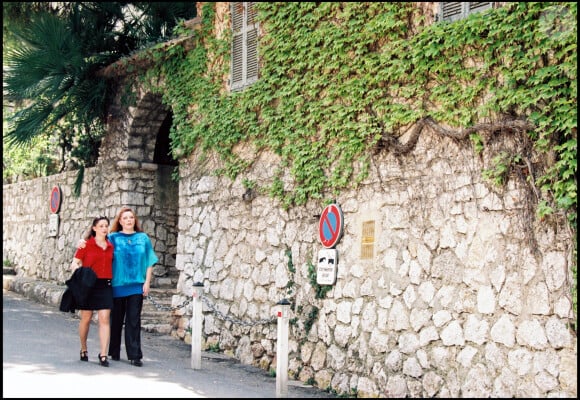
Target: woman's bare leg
x,y
84,324
104,330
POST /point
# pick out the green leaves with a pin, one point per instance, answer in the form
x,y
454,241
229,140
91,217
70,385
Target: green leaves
x,y
324,64
51,67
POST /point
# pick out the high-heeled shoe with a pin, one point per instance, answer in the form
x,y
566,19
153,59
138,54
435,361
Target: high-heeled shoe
x,y
103,361
84,355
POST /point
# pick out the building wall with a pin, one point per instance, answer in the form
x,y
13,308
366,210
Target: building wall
x,y
457,299
462,294
465,293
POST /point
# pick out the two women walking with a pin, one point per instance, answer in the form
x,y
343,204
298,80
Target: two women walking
x,y
118,294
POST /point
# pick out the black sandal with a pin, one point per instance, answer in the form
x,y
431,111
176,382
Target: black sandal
x,y
103,361
84,355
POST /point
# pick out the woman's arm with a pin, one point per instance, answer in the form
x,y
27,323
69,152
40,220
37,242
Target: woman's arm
x,y
147,284
76,263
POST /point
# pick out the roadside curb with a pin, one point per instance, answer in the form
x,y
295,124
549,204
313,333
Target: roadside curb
x,y
44,292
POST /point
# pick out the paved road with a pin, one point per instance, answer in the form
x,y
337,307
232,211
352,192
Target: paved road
x,y
40,360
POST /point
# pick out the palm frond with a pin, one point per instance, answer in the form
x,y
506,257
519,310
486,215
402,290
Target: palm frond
x,y
52,69
28,123
46,63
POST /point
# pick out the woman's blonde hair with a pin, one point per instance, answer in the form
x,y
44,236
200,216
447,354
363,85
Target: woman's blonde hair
x,y
116,226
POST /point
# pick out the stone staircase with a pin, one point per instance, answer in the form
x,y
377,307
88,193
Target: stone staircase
x,y
157,314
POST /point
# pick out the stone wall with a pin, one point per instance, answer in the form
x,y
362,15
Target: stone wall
x,y
457,298
125,175
463,295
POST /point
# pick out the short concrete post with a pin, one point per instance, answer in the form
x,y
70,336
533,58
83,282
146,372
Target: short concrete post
x,y
282,349
196,322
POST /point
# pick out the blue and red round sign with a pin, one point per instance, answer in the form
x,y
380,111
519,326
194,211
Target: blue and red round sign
x,y
330,226
55,199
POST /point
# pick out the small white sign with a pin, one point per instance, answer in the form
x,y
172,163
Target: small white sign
x,y
53,225
327,267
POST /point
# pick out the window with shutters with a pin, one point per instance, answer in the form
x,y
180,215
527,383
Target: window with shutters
x,y
244,69
453,11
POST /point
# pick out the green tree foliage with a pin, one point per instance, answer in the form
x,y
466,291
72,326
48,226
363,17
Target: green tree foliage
x,y
16,14
51,64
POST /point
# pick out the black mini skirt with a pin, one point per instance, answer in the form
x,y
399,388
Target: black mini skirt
x,y
100,298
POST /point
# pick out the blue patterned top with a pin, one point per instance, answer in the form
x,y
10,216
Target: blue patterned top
x,y
133,255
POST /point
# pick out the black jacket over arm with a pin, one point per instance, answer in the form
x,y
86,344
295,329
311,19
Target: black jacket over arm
x,y
79,286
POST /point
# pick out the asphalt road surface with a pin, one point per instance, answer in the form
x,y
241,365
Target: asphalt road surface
x,y
41,360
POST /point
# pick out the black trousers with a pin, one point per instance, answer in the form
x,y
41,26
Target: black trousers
x,y
128,310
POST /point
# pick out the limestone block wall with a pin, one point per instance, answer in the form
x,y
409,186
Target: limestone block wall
x,y
455,291
126,161
25,224
456,299
461,297
26,212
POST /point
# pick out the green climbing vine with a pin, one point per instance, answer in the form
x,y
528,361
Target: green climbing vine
x,y
320,290
340,81
310,312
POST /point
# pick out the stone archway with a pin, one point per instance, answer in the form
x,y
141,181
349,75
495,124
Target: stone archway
x,y
135,160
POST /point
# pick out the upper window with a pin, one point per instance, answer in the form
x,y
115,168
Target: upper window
x,y
244,45
452,11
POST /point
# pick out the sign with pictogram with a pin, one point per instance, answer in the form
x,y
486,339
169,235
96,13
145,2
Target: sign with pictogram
x,y
327,267
330,226
55,199
53,225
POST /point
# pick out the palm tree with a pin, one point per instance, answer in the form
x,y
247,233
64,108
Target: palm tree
x,y
50,71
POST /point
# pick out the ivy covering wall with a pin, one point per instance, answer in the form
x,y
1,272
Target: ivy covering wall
x,y
341,81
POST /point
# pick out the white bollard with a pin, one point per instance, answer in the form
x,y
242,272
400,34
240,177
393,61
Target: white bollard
x,y
282,349
196,322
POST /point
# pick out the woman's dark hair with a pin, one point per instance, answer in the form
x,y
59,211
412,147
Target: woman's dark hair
x,y
96,221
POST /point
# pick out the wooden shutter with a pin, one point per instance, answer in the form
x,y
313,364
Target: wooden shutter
x,y
237,44
252,45
476,7
453,11
244,45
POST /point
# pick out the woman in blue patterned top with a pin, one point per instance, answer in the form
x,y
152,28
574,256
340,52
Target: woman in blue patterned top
x,y
133,261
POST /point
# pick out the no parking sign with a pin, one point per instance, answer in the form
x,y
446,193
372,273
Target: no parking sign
x,y
54,204
330,226
55,199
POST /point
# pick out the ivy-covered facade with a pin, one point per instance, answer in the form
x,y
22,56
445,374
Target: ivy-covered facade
x,y
336,85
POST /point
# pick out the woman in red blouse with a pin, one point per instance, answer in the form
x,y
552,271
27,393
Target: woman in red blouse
x,y
97,255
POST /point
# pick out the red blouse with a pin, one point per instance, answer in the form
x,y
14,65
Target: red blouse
x,y
98,259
